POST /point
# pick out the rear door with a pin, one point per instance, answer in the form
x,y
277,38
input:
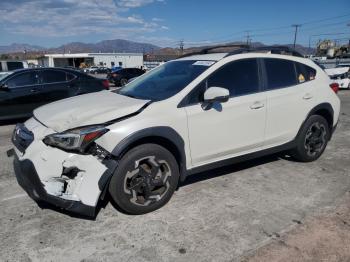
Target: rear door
x,y
22,95
290,94
58,84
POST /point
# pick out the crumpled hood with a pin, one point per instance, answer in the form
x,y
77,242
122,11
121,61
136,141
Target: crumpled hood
x,y
89,109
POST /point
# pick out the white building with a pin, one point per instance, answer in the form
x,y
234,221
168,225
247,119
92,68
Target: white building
x,y
124,60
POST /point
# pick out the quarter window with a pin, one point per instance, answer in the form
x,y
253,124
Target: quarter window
x,y
304,73
280,73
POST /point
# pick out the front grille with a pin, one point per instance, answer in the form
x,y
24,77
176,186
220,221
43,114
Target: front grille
x,y
22,137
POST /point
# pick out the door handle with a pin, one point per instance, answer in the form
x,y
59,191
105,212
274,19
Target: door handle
x,y
307,96
257,105
34,90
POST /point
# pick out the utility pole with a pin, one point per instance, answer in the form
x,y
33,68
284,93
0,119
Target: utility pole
x,y
248,38
295,34
181,45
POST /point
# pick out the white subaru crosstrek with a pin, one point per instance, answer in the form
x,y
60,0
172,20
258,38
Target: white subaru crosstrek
x,y
185,116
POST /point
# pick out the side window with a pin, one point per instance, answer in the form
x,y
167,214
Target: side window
x,y
24,79
304,73
239,77
280,73
53,76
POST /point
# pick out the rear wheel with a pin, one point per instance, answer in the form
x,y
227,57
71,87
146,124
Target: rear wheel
x,y
312,139
145,179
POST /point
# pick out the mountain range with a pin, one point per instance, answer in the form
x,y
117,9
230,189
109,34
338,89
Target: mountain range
x,y
105,46
116,45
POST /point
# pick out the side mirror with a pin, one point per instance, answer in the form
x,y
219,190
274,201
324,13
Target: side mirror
x,y
216,94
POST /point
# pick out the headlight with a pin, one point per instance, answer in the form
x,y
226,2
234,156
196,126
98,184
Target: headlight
x,y
75,139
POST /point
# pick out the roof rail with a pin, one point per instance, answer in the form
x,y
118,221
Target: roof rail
x,y
206,50
282,50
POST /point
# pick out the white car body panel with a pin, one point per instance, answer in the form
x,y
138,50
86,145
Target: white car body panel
x,y
228,129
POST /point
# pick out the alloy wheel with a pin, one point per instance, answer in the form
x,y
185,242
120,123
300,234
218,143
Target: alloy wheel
x,y
148,182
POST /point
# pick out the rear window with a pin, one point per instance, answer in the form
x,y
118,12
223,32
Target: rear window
x,y
304,73
280,73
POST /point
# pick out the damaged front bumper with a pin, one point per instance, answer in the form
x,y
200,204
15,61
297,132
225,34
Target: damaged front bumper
x,y
29,180
70,181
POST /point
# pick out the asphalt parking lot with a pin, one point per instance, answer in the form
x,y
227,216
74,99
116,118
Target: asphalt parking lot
x,y
222,215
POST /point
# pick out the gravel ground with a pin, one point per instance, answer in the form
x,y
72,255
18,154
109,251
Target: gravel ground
x,y
229,214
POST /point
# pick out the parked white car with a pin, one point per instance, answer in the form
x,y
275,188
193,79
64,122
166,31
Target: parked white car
x,y
183,117
340,75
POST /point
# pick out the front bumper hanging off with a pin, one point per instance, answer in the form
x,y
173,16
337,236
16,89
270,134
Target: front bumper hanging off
x,y
28,179
68,181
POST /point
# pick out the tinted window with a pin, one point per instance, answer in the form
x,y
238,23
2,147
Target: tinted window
x,y
239,77
14,65
53,76
280,73
24,79
304,72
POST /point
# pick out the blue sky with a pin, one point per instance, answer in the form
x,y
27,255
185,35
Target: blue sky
x,y
51,23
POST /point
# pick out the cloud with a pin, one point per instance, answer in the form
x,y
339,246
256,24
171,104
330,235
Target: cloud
x,y
135,3
62,18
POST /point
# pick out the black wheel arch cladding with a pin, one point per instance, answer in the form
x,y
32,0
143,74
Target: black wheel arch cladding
x,y
325,110
161,135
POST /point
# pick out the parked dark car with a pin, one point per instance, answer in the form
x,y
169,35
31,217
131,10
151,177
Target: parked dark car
x,y
26,89
103,70
122,76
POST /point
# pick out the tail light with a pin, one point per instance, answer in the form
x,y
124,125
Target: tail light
x,y
114,75
335,87
105,84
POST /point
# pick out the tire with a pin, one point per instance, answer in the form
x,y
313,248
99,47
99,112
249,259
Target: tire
x,y
312,139
145,179
123,81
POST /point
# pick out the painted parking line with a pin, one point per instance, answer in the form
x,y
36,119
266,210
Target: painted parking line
x,y
13,197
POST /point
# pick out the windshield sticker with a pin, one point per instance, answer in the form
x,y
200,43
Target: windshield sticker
x,y
204,63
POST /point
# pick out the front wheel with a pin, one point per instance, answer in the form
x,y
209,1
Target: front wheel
x,y
312,139
145,179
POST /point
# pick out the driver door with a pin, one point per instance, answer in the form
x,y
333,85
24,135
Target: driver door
x,y
232,128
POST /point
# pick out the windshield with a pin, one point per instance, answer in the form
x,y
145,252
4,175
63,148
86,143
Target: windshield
x,y
3,75
166,80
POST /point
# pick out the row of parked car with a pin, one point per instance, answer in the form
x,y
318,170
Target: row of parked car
x,y
23,90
